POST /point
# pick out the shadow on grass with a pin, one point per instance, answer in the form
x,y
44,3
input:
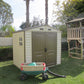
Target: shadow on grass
x,y
11,75
69,66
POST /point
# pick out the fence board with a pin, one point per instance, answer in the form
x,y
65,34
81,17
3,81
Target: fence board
x,y
6,41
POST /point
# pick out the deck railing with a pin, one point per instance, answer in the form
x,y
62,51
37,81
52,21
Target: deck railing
x,y
73,33
82,33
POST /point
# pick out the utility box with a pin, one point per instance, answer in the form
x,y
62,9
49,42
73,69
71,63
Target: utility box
x,y
38,44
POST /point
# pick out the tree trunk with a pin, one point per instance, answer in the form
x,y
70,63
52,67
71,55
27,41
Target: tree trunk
x,y
46,12
27,13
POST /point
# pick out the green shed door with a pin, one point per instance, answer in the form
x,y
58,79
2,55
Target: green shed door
x,y
51,48
38,45
44,47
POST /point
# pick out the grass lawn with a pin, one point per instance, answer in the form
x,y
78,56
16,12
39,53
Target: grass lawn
x,y
72,68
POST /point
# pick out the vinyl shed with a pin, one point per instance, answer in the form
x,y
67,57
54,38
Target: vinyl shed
x,y
38,44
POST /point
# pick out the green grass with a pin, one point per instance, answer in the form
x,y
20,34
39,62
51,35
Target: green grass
x,y
72,68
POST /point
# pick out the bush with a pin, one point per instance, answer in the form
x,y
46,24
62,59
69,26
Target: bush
x,y
64,46
6,53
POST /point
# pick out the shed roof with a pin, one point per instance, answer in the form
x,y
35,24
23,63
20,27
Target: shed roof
x,y
28,29
34,28
75,20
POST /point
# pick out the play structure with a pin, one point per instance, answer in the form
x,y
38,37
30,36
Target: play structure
x,y
75,38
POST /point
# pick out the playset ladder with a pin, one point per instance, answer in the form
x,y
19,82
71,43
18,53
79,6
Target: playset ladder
x,y
78,51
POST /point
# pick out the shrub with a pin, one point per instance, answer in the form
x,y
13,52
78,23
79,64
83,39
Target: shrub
x,y
6,53
64,46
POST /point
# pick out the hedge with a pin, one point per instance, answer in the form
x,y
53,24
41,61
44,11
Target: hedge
x,y
64,46
6,53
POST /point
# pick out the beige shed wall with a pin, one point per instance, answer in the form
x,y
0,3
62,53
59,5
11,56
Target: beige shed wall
x,y
59,48
28,46
18,50
28,42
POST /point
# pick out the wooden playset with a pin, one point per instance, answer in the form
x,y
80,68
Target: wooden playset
x,y
75,38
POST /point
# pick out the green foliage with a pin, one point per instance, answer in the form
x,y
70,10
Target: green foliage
x,y
23,25
64,46
6,53
6,16
79,6
69,10
8,29
62,28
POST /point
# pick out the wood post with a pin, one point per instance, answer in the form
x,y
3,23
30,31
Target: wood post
x,y
76,46
69,48
81,49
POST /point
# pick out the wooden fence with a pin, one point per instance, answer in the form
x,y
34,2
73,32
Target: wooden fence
x,y
6,41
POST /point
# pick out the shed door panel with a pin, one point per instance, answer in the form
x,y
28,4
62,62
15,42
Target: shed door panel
x,y
38,42
42,40
51,48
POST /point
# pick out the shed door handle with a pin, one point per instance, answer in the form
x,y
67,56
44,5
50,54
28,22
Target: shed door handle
x,y
45,49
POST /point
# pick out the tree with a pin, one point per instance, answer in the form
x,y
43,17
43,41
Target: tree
x,y
46,12
23,25
69,10
62,28
6,16
35,22
8,29
27,13
79,6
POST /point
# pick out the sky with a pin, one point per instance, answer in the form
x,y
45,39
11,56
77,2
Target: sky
x,y
37,9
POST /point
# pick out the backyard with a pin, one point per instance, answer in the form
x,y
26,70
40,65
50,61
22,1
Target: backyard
x,y
72,68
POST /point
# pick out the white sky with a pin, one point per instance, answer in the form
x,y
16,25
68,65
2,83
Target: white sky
x,y
37,8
